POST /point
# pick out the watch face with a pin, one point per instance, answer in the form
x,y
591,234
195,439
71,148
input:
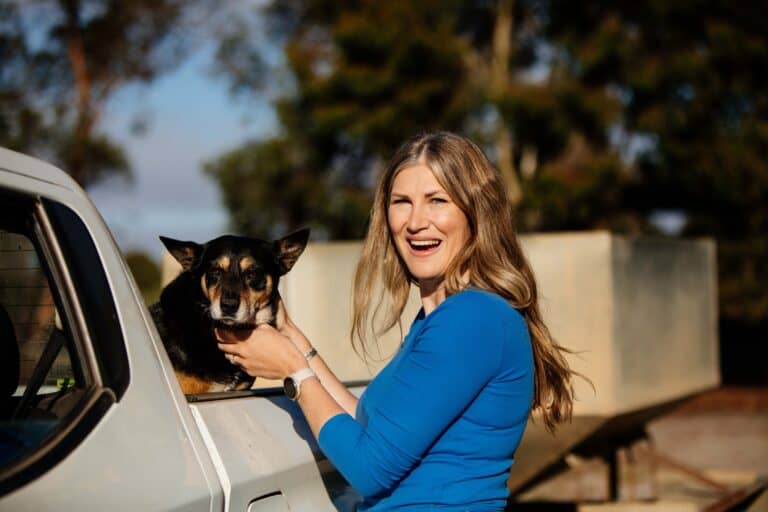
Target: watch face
x,y
289,386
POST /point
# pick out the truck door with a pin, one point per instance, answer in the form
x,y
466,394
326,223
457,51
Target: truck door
x,y
87,421
265,453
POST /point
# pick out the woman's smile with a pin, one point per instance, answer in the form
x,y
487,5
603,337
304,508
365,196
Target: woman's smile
x,y
423,247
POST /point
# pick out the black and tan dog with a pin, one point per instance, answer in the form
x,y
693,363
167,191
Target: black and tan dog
x,y
229,283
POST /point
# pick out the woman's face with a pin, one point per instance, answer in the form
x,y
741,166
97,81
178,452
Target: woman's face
x,y
428,228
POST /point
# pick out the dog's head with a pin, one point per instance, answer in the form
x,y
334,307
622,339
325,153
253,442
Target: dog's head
x,y
239,275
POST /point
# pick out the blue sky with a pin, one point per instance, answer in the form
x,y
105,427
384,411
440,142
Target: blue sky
x,y
192,118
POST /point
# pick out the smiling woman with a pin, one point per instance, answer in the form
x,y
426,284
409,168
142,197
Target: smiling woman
x,y
439,425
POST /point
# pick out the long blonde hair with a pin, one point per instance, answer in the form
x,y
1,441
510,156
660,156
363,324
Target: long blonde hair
x,y
492,260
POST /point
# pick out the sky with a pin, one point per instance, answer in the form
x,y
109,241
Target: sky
x,y
191,119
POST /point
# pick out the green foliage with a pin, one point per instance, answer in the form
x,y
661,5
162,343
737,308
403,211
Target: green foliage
x,y
694,75
146,273
582,190
100,156
364,79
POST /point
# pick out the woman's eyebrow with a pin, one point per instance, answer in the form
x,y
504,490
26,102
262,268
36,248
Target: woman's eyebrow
x,y
429,193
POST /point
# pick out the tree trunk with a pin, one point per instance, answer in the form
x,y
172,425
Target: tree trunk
x,y
502,49
76,166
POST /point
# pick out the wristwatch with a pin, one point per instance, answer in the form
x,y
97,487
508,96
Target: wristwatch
x,y
292,383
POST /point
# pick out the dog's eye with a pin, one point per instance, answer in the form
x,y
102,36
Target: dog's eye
x,y
255,278
214,275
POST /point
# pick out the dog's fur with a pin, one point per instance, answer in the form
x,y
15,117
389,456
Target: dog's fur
x,y
230,283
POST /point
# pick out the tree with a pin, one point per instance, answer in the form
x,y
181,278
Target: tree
x,y
693,81
20,123
547,131
54,87
364,77
368,74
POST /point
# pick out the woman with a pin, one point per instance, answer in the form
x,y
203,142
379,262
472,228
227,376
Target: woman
x,y
439,425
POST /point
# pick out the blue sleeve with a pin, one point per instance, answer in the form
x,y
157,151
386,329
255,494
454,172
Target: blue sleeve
x,y
457,352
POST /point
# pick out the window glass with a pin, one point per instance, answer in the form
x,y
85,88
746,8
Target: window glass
x,y
40,385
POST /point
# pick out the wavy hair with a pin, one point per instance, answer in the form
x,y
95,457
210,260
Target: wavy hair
x,y
492,260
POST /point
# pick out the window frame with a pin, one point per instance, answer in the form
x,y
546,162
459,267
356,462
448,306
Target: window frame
x,y
91,291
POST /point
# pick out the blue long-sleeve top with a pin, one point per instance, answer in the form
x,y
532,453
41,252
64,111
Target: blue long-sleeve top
x,y
439,425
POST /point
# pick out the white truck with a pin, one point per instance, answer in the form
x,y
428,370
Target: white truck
x,y
91,414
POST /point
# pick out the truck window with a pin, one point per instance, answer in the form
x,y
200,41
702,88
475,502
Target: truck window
x,y
34,349
50,395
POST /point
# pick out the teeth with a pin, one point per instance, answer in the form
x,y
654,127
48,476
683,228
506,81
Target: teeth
x,y
424,243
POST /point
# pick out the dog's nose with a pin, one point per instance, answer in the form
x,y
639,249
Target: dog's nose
x,y
229,303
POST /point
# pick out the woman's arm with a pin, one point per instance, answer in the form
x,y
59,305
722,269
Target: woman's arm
x,y
328,379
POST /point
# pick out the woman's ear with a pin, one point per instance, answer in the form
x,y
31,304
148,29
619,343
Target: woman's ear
x,y
289,248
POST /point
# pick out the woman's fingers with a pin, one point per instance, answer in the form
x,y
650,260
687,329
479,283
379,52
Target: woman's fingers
x,y
231,352
230,349
261,354
232,335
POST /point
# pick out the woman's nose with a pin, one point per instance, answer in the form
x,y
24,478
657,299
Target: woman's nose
x,y
418,219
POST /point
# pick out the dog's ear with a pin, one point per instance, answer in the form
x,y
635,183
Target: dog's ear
x,y
289,248
186,253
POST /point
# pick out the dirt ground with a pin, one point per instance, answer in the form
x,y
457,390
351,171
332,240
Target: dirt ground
x,y
721,430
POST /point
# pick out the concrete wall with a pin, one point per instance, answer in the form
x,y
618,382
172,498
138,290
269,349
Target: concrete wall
x,y
640,314
665,319
574,277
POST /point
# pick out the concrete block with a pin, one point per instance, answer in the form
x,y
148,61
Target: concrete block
x,y
639,313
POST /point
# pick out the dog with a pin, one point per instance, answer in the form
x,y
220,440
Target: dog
x,y
228,283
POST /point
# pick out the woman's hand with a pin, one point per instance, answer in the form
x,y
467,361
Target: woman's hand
x,y
265,353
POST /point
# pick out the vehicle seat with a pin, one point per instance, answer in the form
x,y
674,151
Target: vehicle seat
x,y
10,362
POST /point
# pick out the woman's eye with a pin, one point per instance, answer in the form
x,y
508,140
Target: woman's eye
x,y
439,200
399,201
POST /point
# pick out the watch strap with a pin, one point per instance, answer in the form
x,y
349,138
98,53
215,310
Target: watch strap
x,y
299,377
